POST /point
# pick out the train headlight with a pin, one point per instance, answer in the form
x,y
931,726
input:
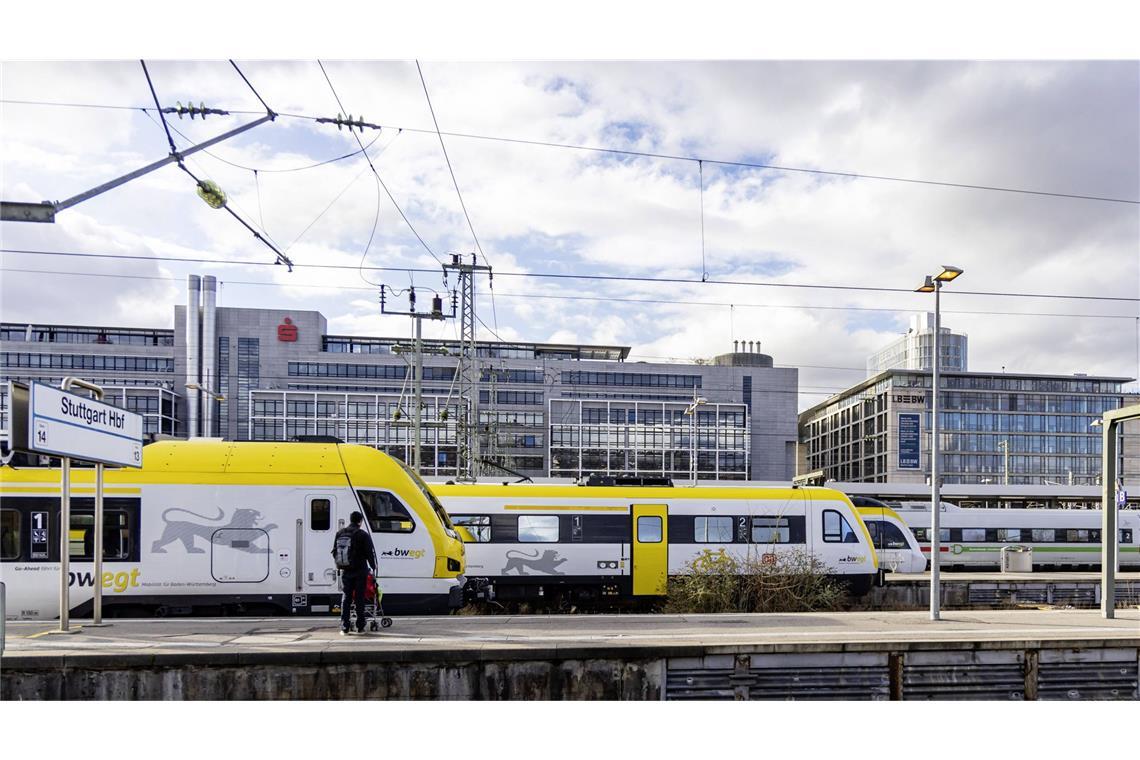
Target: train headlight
x,y
452,565
451,533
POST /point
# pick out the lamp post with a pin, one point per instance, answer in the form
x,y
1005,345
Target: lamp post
x,y
206,392
933,284
692,412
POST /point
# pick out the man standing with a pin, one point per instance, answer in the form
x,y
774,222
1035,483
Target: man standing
x,y
355,556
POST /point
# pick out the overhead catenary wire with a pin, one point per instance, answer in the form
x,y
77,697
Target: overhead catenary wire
x,y
671,157
281,257
378,177
606,278
253,89
666,302
458,192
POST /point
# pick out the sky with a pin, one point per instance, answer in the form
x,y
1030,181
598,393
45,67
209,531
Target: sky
x,y
1066,127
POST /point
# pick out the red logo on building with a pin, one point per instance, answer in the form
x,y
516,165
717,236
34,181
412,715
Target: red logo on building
x,y
287,332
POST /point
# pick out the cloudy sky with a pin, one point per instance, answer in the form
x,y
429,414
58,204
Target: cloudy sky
x,y
1054,127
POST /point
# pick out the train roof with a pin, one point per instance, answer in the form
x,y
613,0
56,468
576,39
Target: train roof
x,y
214,460
638,493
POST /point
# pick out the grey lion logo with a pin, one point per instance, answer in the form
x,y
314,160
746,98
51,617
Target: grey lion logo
x,y
186,531
519,561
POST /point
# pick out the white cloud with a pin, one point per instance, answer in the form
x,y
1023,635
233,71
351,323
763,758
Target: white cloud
x,y
1059,126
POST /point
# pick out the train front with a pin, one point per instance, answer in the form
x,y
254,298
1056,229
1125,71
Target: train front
x,y
421,556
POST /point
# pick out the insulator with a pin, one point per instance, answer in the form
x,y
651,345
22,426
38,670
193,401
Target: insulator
x,y
209,191
437,306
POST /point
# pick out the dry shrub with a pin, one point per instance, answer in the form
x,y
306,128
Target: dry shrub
x,y
715,581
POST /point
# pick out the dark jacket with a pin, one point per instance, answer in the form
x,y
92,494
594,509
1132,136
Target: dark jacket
x,y
363,552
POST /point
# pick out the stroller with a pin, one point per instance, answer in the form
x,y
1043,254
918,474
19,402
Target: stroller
x,y
372,606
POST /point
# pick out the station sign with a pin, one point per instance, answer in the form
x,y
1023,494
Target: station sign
x,y
909,452
65,424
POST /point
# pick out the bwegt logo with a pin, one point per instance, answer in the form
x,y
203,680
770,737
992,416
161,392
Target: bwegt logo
x,y
116,582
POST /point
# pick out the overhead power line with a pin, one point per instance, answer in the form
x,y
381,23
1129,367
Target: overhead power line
x,y
605,299
376,173
670,157
606,278
455,182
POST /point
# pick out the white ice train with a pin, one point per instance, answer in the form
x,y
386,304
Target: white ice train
x,y
591,543
213,527
1060,538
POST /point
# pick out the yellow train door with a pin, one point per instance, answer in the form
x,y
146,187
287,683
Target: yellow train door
x,y
650,549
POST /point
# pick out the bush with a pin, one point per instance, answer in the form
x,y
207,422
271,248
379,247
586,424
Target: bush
x,y
719,582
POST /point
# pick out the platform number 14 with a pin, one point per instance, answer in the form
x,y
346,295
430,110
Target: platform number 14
x,y
41,434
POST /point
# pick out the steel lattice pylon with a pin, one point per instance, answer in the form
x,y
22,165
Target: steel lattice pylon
x,y
468,367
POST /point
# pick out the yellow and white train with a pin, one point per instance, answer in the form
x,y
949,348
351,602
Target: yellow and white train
x,y
595,543
215,527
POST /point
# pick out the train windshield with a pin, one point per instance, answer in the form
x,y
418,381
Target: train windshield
x,y
420,484
886,535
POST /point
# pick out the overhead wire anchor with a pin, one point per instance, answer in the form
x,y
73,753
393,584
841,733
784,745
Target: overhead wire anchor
x,y
340,121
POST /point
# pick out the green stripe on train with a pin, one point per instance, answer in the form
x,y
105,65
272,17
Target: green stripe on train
x,y
958,549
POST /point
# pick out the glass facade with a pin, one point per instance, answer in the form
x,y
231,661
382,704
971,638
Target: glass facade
x,y
1045,422
648,438
374,419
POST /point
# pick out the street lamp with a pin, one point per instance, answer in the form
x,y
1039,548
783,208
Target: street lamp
x,y
691,411
206,392
933,284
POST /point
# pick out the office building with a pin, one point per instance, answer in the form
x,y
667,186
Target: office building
x,y
543,409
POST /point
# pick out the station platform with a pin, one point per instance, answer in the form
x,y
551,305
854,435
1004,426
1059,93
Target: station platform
x,y
849,655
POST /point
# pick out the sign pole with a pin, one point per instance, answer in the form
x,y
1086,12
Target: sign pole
x,y
64,545
97,602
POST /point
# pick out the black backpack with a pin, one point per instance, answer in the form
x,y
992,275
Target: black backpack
x,y
343,548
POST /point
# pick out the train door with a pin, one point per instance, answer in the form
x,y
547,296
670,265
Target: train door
x,y
320,528
650,549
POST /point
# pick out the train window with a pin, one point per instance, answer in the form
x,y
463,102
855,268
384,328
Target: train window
x,y
473,529
649,530
944,535
116,535
605,529
1076,535
1009,534
712,530
771,530
538,529
836,529
9,534
385,513
1043,535
920,534
973,535
890,536
320,514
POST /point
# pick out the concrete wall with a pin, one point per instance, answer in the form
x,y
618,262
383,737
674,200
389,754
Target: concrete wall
x,y
1028,670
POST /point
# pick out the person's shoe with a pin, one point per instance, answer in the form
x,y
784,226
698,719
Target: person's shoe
x,y
344,631
360,630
